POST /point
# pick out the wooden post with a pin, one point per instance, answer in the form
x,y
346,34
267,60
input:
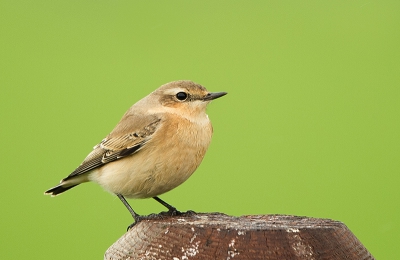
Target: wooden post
x,y
218,236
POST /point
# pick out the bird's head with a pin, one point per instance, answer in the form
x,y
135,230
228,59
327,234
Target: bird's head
x,y
185,97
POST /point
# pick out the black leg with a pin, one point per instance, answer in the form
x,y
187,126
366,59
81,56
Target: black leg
x,y
171,209
135,216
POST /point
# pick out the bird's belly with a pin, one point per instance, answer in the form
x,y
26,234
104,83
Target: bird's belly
x,y
151,171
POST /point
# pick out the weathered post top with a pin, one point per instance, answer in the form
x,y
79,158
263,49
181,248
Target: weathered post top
x,y
219,236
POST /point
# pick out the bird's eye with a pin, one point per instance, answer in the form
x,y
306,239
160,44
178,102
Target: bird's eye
x,y
181,96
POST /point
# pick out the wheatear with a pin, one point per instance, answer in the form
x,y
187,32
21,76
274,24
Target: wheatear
x,y
157,145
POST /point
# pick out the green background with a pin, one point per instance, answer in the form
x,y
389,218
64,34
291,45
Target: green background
x,y
310,126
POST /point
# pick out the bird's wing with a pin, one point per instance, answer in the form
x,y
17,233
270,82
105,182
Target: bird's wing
x,y
124,140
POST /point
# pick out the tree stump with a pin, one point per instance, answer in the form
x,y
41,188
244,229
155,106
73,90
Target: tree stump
x,y
219,236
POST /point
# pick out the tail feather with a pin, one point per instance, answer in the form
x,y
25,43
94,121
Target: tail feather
x,y
58,189
67,184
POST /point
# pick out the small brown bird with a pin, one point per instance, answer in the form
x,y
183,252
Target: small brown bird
x,y
157,145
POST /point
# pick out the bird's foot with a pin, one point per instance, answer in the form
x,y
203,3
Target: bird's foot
x,y
152,216
189,213
131,226
175,212
137,219
164,214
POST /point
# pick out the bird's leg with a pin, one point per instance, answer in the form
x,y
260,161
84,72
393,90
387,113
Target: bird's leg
x,y
135,216
171,209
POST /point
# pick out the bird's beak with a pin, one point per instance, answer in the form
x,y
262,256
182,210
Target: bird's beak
x,y
214,95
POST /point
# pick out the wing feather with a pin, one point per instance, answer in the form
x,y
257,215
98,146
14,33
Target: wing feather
x,y
120,143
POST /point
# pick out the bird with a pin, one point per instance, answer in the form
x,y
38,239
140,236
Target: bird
x,y
156,146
